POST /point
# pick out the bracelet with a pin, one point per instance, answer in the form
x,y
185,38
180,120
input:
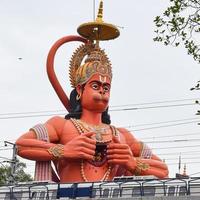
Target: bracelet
x,y
57,151
140,166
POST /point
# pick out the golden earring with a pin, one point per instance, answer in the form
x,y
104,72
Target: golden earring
x,y
78,97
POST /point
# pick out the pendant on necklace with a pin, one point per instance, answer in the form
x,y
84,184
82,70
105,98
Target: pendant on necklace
x,y
98,136
100,156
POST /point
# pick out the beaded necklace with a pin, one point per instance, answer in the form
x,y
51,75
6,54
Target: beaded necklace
x,y
100,130
81,129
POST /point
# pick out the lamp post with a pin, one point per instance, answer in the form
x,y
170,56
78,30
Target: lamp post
x,y
13,161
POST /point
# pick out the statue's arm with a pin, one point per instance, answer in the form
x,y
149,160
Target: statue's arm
x,y
30,147
134,162
77,147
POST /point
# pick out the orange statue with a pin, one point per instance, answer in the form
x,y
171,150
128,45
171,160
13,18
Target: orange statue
x,y
84,146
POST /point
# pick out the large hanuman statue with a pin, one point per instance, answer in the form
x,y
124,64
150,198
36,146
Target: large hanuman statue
x,y
84,146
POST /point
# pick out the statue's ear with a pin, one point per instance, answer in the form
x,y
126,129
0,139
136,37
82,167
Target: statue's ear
x,y
79,89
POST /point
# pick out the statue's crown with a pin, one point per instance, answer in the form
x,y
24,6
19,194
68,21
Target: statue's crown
x,y
94,55
96,61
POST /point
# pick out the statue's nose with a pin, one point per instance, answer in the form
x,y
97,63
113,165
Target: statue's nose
x,y
102,92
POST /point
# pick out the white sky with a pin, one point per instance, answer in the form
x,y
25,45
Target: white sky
x,y
144,72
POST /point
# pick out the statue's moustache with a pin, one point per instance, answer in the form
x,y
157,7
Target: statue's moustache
x,y
100,97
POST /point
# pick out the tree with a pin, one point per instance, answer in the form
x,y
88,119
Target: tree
x,y
20,176
180,24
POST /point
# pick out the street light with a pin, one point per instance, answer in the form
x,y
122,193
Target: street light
x,y
13,161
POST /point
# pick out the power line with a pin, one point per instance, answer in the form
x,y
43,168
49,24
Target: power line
x,y
163,122
171,135
184,163
183,158
123,105
6,140
2,146
178,153
31,112
159,154
164,141
156,102
30,116
6,149
175,141
19,116
164,126
173,147
4,158
146,138
194,173
151,107
158,141
176,147
63,112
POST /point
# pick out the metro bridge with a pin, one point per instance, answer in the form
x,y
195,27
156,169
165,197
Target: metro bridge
x,y
120,188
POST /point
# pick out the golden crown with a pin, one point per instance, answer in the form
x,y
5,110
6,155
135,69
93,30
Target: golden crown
x,y
96,61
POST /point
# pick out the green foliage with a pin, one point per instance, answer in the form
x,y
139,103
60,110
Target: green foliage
x,y
4,174
180,24
20,175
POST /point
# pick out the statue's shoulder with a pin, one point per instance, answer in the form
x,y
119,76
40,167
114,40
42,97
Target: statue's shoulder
x,y
58,123
56,120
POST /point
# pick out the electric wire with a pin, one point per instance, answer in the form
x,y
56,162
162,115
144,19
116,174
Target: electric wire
x,y
151,107
178,153
64,112
163,126
31,116
175,141
123,105
156,102
5,158
146,139
194,174
176,147
6,149
168,163
187,163
163,122
183,158
31,112
170,135
166,159
155,148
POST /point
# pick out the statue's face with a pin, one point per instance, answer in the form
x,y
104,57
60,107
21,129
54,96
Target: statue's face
x,y
96,93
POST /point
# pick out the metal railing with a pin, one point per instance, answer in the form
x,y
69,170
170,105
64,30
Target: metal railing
x,y
120,188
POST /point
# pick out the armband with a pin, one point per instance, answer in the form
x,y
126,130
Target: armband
x,y
140,166
57,151
145,151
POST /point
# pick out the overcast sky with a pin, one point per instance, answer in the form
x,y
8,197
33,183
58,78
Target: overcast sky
x,y
144,72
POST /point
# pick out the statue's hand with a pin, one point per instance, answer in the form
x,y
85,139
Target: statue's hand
x,y
80,147
121,154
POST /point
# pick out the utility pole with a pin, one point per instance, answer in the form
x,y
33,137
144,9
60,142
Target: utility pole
x,y
12,162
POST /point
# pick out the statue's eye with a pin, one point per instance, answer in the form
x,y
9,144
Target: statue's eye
x,y
95,86
106,88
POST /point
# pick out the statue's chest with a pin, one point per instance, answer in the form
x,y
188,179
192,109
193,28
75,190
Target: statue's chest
x,y
103,135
